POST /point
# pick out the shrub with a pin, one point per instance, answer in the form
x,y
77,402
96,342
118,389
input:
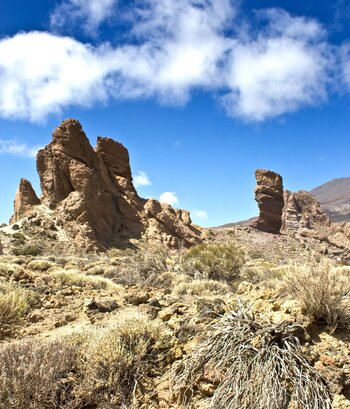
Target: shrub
x,y
40,265
136,267
74,277
32,374
255,365
322,289
220,262
116,361
8,269
13,303
30,250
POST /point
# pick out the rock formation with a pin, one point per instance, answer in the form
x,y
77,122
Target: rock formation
x,y
269,195
91,193
25,199
302,211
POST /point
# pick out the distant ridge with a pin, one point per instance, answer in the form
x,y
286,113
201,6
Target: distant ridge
x,y
334,197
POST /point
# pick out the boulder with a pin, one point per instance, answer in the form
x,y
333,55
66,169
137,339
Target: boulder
x,y
269,195
24,201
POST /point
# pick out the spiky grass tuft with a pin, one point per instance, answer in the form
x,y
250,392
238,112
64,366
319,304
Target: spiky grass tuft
x,y
255,365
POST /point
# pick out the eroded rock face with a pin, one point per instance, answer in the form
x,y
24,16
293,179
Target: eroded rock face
x,y
24,201
269,195
92,194
302,211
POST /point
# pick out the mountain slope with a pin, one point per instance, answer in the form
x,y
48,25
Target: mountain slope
x,y
334,197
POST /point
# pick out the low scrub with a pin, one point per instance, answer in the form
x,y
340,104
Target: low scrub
x,y
108,368
74,277
220,262
33,374
322,289
30,250
14,303
117,361
255,365
40,265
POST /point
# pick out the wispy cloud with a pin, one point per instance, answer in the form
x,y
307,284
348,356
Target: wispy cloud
x,y
264,68
142,179
89,13
169,197
200,214
15,148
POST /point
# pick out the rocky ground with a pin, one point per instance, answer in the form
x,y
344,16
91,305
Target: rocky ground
x,y
71,295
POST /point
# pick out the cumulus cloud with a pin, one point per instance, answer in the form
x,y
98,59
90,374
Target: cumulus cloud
x,y
285,67
171,49
15,148
141,179
89,13
169,197
200,214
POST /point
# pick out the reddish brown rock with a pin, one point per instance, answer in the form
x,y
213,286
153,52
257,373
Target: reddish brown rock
x,y
302,211
24,201
269,195
92,194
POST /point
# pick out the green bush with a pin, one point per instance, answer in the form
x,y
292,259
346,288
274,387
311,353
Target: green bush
x,y
30,250
220,262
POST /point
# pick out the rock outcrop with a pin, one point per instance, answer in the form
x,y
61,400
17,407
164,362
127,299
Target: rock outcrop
x,y
269,195
91,194
302,211
24,201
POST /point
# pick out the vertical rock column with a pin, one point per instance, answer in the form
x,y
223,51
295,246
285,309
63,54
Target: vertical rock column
x,y
269,195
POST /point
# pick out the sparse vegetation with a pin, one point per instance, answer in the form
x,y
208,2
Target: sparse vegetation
x,y
202,288
116,361
256,366
76,278
34,375
322,289
220,262
30,250
13,303
108,367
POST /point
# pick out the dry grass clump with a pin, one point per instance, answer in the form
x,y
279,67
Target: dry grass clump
x,y
220,262
107,368
8,269
140,266
40,265
117,362
256,366
14,303
75,278
322,289
201,288
32,374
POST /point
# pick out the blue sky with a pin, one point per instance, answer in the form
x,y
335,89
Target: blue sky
x,y
201,92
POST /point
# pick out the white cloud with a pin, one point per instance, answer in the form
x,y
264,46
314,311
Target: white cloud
x,y
172,49
141,179
200,214
91,13
169,197
15,148
283,68
345,62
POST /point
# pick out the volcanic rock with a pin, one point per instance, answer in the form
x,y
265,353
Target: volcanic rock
x,y
302,211
269,195
24,201
90,193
